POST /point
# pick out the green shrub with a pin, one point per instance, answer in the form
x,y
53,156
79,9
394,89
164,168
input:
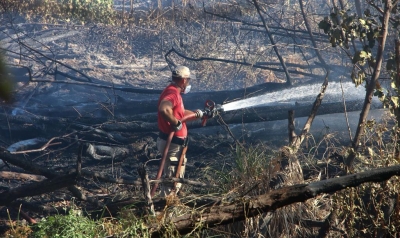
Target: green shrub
x,y
72,225
78,11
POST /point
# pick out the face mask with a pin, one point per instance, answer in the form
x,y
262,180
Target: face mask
x,y
187,89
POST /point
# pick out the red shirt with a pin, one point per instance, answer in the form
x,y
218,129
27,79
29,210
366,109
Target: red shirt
x,y
172,94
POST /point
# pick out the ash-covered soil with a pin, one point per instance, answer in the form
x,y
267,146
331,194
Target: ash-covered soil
x,y
70,60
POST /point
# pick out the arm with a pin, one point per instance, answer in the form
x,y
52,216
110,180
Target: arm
x,y
167,112
190,115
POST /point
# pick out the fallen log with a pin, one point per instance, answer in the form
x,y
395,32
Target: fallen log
x,y
148,122
37,188
129,107
20,176
102,130
40,170
244,208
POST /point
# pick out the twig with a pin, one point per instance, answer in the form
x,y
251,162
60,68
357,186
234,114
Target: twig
x,y
345,111
173,50
146,188
45,146
26,216
271,39
123,89
58,62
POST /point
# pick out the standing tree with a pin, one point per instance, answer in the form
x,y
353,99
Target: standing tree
x,y
371,41
371,30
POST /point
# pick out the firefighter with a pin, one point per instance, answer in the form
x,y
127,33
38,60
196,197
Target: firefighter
x,y
171,112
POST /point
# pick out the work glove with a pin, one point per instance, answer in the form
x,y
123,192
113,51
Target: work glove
x,y
178,126
198,113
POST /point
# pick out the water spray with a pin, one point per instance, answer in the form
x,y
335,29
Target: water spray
x,y
303,93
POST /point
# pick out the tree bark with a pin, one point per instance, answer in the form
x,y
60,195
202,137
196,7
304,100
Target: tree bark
x,y
372,83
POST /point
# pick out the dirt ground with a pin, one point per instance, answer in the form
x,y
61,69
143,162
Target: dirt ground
x,y
207,153
69,64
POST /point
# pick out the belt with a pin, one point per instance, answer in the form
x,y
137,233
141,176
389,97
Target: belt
x,y
175,140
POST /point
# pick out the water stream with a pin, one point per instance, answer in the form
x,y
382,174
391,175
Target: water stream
x,y
300,94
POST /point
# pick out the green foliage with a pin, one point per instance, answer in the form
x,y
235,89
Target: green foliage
x,y
344,27
75,225
249,168
79,11
72,225
84,10
390,98
361,57
250,162
358,77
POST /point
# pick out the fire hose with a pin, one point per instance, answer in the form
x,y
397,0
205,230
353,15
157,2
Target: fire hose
x,y
210,110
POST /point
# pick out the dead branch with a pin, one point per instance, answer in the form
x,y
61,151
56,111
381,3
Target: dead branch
x,y
20,176
298,140
42,148
56,61
146,189
271,39
80,194
257,66
17,208
243,22
253,206
40,170
309,30
123,89
37,188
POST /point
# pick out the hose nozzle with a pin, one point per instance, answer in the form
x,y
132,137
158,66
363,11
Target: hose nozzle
x,y
219,108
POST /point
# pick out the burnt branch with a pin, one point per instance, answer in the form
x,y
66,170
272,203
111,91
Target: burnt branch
x,y
38,188
253,206
256,65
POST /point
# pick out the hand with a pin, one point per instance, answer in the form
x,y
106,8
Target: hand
x,y
199,113
178,126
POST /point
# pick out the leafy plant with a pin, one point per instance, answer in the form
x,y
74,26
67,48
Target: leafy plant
x,y
370,209
344,27
81,11
72,225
